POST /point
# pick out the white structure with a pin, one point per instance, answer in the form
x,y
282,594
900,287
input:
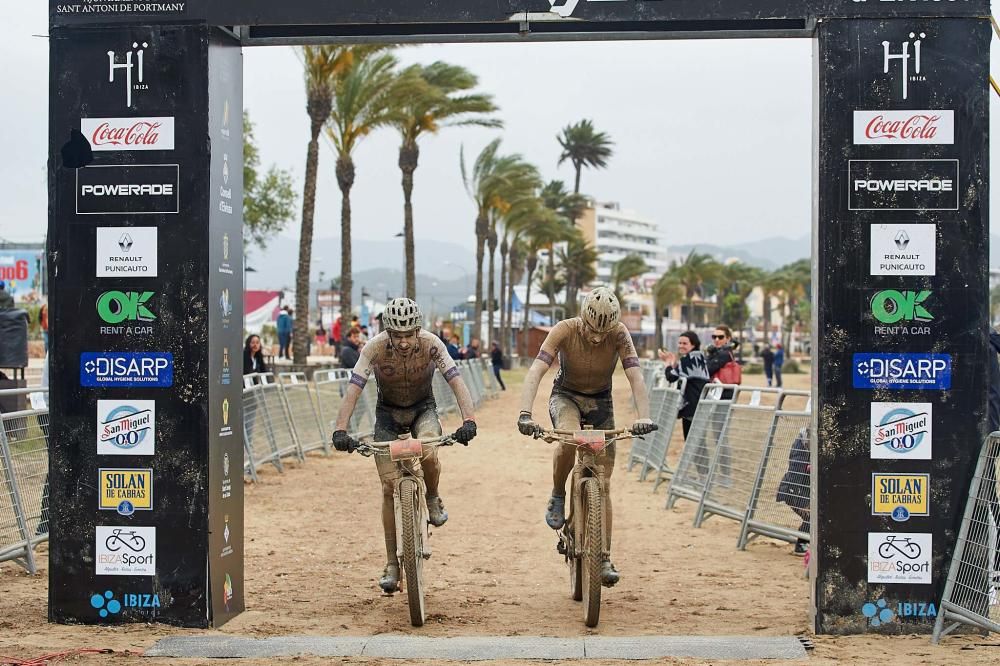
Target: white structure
x,y
617,233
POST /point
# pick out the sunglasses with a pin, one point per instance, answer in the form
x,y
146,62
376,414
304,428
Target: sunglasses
x,y
718,337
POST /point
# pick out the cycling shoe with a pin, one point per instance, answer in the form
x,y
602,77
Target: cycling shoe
x,y
389,582
555,513
436,515
609,575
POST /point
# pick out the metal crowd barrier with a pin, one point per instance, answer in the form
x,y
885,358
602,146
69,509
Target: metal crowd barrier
x,y
971,589
779,504
491,389
688,481
732,474
659,445
308,428
639,453
24,487
259,444
329,386
444,397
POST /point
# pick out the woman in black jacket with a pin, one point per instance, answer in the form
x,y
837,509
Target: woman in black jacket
x,y
253,357
691,364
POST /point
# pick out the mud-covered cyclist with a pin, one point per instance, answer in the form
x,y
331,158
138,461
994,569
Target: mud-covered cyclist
x,y
588,348
403,358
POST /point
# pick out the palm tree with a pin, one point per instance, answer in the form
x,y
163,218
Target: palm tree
x,y
568,206
365,99
322,65
582,146
578,262
736,282
432,97
793,283
523,213
695,273
666,292
548,229
631,266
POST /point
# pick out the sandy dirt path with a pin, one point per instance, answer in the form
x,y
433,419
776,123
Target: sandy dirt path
x,y
314,551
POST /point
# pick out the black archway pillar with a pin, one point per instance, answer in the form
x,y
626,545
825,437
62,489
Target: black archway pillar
x,y
145,241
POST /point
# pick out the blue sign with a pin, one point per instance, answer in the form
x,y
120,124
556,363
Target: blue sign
x,y
19,270
113,369
902,371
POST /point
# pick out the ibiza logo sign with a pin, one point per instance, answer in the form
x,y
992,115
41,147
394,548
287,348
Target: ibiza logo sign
x,y
132,64
906,57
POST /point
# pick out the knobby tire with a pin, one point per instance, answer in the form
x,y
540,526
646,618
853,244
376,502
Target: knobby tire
x,y
412,557
592,557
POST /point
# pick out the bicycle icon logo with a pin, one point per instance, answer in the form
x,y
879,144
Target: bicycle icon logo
x,y
904,546
128,539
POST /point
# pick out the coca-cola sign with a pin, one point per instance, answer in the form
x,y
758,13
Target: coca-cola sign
x,y
904,127
129,133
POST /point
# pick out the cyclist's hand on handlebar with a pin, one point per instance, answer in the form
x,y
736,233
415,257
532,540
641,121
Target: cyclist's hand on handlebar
x,y
528,427
644,427
344,442
465,434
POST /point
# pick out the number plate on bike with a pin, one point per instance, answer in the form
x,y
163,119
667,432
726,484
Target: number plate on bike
x,y
590,439
405,449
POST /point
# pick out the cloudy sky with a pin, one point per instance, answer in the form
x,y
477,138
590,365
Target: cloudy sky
x,y
712,138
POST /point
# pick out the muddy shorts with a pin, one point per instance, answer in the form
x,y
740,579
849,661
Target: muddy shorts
x,y
420,420
572,411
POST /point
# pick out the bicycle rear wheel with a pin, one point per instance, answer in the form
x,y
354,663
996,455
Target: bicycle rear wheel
x,y
413,557
592,557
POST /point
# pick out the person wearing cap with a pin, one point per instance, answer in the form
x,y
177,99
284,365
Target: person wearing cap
x,y
403,358
588,348
6,300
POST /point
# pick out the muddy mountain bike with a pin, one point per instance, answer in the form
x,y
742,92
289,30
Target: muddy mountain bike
x,y
410,507
584,540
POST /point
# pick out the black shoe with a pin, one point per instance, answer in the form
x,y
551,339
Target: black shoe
x,y
609,575
389,582
555,512
436,515
801,548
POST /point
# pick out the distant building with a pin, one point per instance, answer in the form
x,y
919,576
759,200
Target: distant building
x,y
617,233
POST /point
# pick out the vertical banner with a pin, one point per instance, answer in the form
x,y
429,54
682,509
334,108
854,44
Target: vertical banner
x,y
901,247
136,383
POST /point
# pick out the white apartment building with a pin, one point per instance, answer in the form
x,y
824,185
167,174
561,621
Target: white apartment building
x,y
617,232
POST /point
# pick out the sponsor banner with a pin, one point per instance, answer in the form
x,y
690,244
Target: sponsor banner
x,y
128,134
880,612
902,371
125,551
126,427
128,312
900,495
901,312
122,369
125,490
902,184
132,189
896,557
903,249
904,127
901,430
126,252
19,270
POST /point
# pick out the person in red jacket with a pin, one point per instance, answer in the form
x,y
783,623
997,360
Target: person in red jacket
x,y
335,335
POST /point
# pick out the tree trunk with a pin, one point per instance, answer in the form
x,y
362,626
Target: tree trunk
x,y
345,180
576,187
481,230
658,323
532,262
300,325
508,341
504,247
767,316
491,288
409,153
552,285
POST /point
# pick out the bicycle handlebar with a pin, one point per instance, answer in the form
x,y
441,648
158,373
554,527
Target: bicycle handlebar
x,y
382,448
568,436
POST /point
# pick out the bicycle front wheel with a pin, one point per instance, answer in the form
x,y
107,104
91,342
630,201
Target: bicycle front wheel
x,y
413,557
592,556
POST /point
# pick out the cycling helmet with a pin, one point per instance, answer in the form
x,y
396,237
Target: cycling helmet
x,y
400,315
601,310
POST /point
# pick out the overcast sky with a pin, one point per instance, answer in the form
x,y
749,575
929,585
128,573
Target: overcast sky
x,y
712,138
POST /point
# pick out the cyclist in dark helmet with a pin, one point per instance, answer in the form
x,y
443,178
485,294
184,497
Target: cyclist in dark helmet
x,y
588,348
403,358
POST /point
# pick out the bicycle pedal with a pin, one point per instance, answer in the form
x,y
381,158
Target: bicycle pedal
x,y
561,547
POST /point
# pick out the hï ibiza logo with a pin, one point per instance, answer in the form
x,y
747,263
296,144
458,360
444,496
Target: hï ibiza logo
x,y
565,8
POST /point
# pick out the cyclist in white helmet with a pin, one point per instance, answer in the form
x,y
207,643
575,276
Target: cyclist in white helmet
x,y
588,348
403,358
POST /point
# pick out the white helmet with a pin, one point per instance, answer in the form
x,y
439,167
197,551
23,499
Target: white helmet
x,y
601,310
401,315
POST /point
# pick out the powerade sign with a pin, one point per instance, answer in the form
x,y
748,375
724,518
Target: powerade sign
x,y
902,371
124,369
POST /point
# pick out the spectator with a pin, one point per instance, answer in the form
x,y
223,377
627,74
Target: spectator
x,y
768,356
284,325
691,364
253,357
453,351
320,334
496,358
364,334
779,360
350,350
6,300
472,351
722,365
335,335
794,487
43,323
